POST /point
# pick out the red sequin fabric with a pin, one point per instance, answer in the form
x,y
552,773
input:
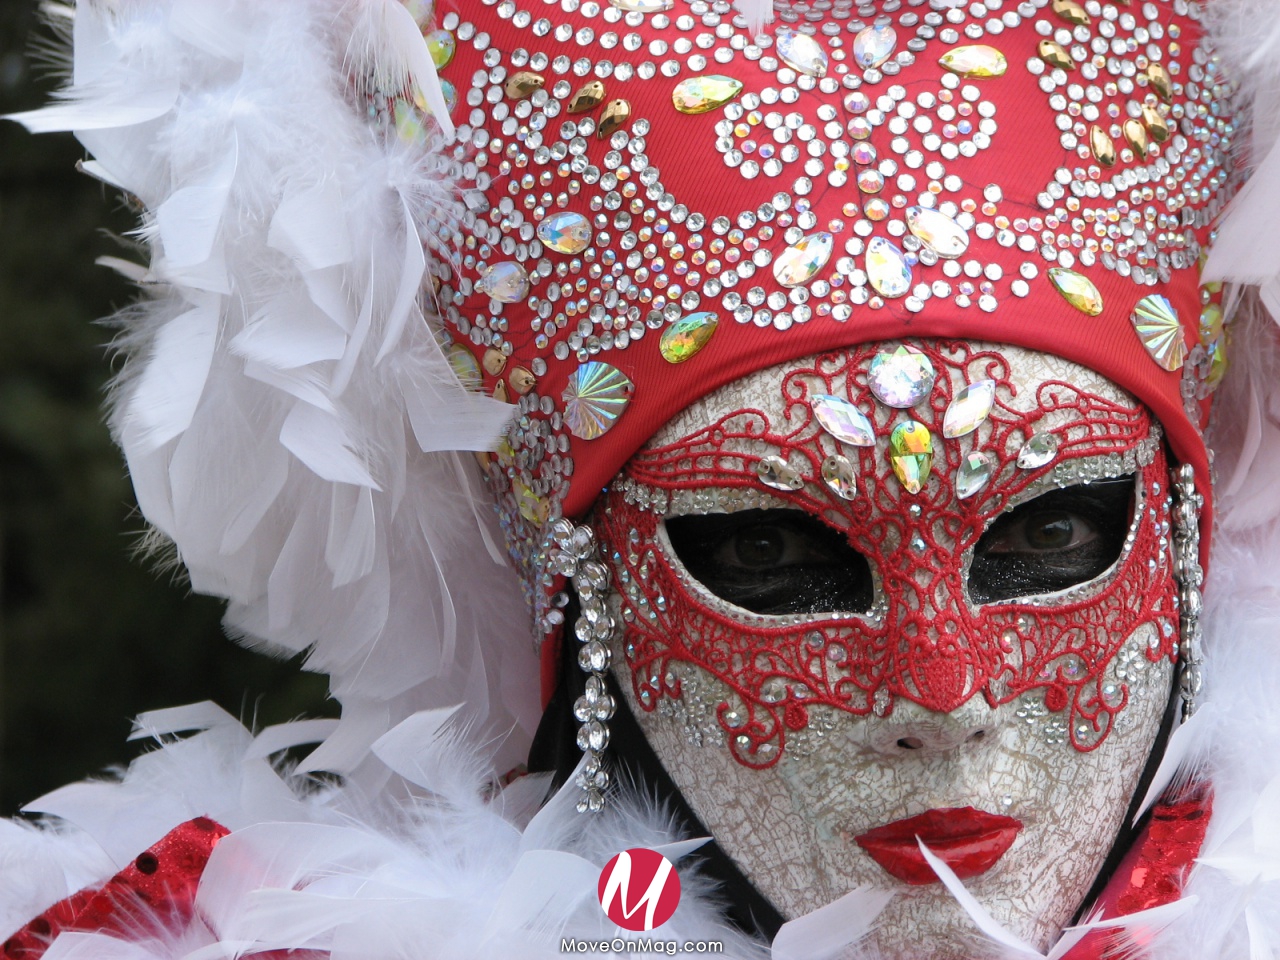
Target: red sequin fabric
x,y
924,640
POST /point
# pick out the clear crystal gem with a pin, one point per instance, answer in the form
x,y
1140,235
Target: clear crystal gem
x,y
838,475
969,409
902,378
976,470
911,455
887,269
506,282
800,263
687,336
975,62
843,420
874,45
565,232
703,94
1160,330
777,473
643,6
773,690
1038,451
595,397
939,232
801,52
1077,289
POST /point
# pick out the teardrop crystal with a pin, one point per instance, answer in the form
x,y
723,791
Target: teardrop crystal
x,y
703,94
565,232
687,336
506,282
524,83
1136,134
887,269
911,455
595,397
777,473
902,378
801,52
976,62
1071,11
1039,451
802,261
843,420
1055,55
590,96
974,473
615,117
1157,126
838,475
1102,146
874,45
1077,289
939,232
1158,327
1160,81
969,409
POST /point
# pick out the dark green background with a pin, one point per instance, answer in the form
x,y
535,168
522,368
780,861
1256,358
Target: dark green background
x,y
89,635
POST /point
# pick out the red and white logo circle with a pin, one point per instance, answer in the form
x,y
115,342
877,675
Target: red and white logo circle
x,y
639,889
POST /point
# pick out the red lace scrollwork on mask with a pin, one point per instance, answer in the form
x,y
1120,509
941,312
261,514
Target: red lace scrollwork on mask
x,y
925,641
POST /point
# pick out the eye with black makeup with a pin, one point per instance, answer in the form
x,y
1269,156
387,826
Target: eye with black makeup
x,y
773,562
1060,539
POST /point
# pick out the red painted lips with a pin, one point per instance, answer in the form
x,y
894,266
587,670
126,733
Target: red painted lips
x,y
967,840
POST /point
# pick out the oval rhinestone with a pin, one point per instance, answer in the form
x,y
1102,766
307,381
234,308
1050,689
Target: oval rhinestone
x,y
1160,81
506,282
1158,327
614,117
938,232
843,420
643,6
595,397
565,232
800,263
687,336
1103,147
1039,451
588,98
969,409
1055,55
838,475
1136,134
524,83
902,378
887,269
801,52
703,94
1157,126
874,45
1077,289
975,472
1072,12
911,455
442,46
975,62
777,473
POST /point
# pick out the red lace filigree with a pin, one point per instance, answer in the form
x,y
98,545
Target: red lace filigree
x,y
926,641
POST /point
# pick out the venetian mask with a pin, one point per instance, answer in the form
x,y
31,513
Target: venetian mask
x,y
907,590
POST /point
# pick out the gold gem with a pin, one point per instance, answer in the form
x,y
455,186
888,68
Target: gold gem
x,y
524,84
1077,289
1055,55
1103,147
975,62
1136,134
911,455
1071,11
687,336
494,362
703,94
588,98
615,117
1160,81
1156,124
522,381
500,391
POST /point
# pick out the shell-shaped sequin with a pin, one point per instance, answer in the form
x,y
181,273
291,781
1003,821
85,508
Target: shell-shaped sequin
x,y
596,395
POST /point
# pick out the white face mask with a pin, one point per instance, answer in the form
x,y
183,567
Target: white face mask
x,y
818,650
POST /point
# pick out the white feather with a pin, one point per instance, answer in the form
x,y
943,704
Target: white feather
x,y
830,930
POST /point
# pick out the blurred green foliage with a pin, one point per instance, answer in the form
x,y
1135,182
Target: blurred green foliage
x,y
89,636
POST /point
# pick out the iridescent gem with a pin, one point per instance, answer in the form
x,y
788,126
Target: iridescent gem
x,y
450,93
1156,124
1210,324
777,473
410,124
1038,451
442,46
801,52
565,232
1160,81
800,263
911,455
1071,11
1077,289
870,180
527,502
465,366
588,98
1217,364
887,269
874,45
1103,147
594,398
687,336
1160,331
969,409
643,6
614,117
902,378
939,232
524,83
1136,134
1055,55
506,282
703,94
974,473
838,475
976,62
843,420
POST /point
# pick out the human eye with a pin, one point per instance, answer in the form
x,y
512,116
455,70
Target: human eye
x,y
773,562
1060,539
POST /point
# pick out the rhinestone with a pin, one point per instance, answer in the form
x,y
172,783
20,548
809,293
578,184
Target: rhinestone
x,y
1159,329
687,336
1102,146
595,397
974,473
442,47
911,455
801,52
615,117
801,262
1038,451
843,420
703,94
565,232
874,45
773,690
777,473
902,378
588,98
887,268
1055,55
644,6
1158,76
1071,11
976,62
939,232
969,409
524,84
1156,124
1077,289
1136,134
505,282
838,475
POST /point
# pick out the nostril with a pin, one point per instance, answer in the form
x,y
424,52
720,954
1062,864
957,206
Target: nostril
x,y
911,743
977,735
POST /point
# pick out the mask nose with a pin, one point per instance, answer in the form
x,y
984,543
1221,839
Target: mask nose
x,y
915,731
